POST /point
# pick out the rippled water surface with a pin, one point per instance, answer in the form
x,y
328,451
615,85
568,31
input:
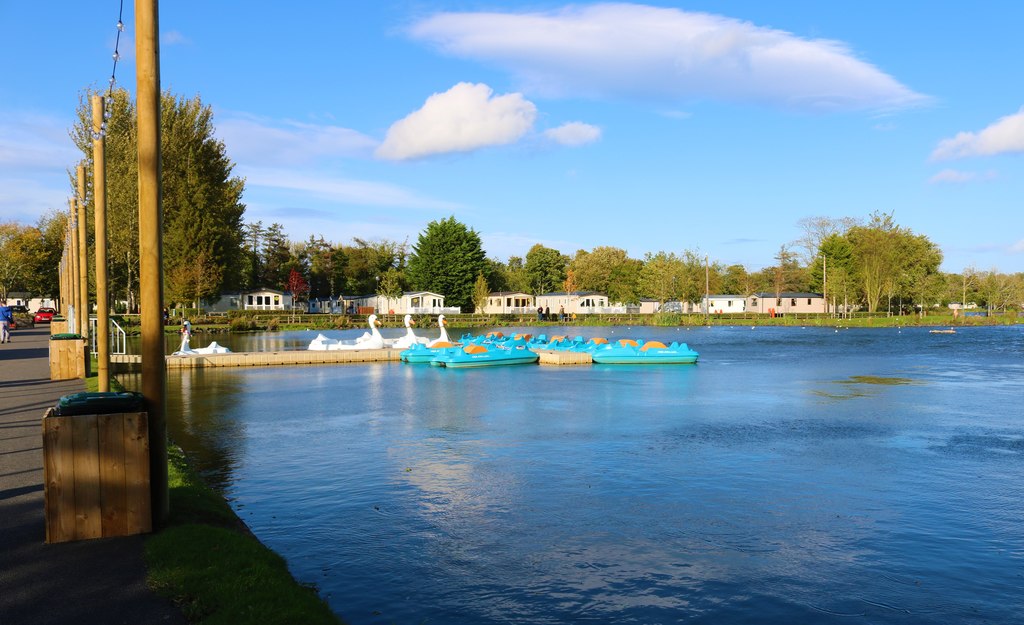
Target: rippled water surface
x,y
792,476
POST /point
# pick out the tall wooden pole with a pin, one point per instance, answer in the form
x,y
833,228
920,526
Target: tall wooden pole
x,y
83,258
151,278
99,195
73,289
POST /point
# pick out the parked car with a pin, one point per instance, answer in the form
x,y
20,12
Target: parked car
x,y
44,315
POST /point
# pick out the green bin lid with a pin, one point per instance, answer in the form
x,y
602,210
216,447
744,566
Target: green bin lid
x,y
65,336
99,403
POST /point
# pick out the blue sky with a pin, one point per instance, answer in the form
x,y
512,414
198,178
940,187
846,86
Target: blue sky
x,y
710,126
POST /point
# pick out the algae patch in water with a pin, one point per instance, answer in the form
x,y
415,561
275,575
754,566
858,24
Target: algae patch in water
x,y
875,379
855,391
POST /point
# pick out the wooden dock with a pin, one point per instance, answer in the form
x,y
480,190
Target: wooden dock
x,y
558,357
307,357
266,359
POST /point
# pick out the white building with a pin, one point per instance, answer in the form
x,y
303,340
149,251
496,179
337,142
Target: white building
x,y
510,303
787,302
580,303
723,304
259,299
410,303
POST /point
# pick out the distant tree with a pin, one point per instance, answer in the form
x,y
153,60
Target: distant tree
x,y
736,281
663,277
832,273
607,270
367,261
44,278
545,269
446,259
390,286
786,273
516,278
18,247
193,282
275,254
251,271
297,286
817,229
481,291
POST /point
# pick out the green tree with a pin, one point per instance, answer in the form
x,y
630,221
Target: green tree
x,y
45,278
193,282
607,270
663,277
446,259
19,245
275,254
201,199
367,261
515,276
390,286
481,291
874,256
545,269
832,273
736,281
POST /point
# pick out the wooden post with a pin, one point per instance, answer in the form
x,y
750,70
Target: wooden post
x,y
83,258
73,277
151,279
99,194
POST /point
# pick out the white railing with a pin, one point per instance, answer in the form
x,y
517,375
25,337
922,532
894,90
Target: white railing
x,y
119,339
447,310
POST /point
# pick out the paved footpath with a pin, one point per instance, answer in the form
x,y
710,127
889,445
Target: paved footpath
x,y
101,582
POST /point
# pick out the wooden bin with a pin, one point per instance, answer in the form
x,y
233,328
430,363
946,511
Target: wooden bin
x,y
68,359
58,327
96,476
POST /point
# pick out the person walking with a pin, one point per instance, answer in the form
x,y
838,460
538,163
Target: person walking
x,y
6,319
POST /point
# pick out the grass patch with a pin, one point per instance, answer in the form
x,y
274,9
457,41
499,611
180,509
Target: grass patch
x,y
208,563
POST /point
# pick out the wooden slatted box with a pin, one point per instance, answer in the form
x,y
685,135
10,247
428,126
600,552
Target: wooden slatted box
x,y
69,359
96,476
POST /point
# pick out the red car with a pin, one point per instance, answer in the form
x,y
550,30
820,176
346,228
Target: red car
x,y
44,315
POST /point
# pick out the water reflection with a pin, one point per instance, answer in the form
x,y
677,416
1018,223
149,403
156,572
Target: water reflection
x,y
731,491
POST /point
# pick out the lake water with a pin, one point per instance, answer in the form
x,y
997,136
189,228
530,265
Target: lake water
x,y
792,476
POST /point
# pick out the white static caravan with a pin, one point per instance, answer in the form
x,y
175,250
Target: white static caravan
x,y
581,303
787,302
410,303
723,304
510,303
266,299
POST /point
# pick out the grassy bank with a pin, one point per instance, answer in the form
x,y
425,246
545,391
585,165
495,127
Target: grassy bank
x,y
208,562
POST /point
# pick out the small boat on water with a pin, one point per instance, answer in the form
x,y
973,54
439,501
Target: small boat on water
x,y
630,352
484,355
420,353
949,331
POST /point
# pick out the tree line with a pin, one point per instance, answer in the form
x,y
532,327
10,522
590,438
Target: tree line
x,y
209,249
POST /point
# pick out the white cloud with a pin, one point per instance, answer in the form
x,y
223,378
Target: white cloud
x,y
341,190
666,53
1006,135
173,37
467,117
957,176
29,141
573,134
1018,247
255,141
